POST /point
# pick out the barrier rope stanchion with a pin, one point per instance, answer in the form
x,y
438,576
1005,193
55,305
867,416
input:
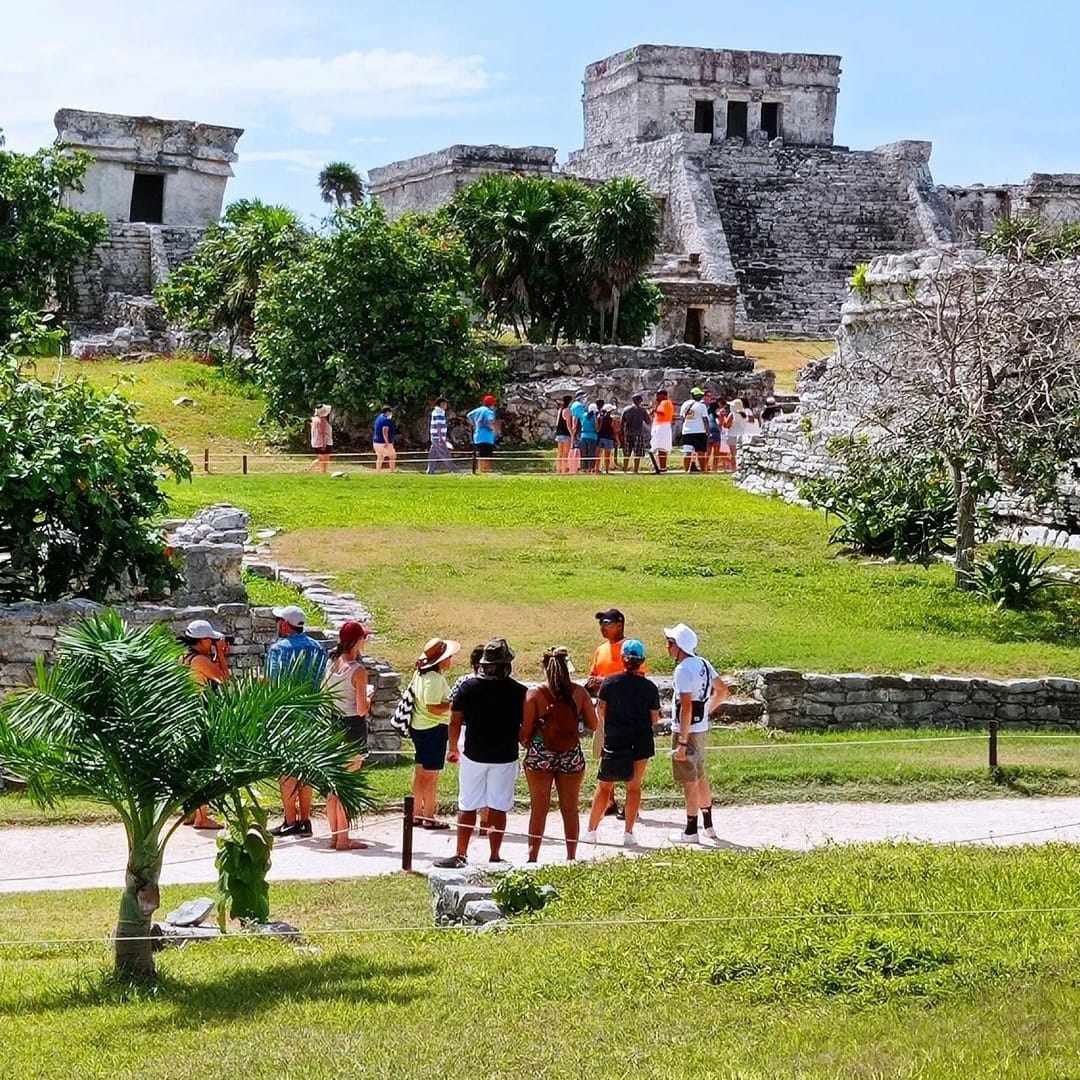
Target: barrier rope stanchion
x,y
993,746
407,834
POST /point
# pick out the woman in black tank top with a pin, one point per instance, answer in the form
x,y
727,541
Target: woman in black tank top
x,y
563,439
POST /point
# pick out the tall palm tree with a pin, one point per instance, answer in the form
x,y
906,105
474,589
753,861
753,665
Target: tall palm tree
x,y
339,183
119,720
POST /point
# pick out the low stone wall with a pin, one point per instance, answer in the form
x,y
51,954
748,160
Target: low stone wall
x,y
793,700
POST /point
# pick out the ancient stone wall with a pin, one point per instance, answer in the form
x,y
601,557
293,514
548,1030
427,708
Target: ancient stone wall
x,y
796,701
799,220
538,376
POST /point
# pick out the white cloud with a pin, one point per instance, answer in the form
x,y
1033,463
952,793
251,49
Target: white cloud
x,y
304,159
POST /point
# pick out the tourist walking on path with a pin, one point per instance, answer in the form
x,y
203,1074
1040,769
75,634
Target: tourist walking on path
x,y
383,440
207,658
347,682
695,430
429,728
605,431
629,710
490,707
744,426
322,437
634,433
296,653
696,690
550,733
439,457
588,439
564,437
663,414
485,425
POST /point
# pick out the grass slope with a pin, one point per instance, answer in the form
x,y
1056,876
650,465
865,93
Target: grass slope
x,y
843,993
533,558
785,357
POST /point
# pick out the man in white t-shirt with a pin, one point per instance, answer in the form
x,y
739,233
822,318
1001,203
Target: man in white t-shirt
x,y
695,430
696,690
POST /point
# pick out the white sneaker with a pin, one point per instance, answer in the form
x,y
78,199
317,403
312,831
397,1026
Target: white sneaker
x,y
588,837
681,837
710,832
629,839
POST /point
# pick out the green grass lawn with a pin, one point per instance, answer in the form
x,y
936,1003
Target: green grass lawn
x,y
794,768
786,358
848,992
533,558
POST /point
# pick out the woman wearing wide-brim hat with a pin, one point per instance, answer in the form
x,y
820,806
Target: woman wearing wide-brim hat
x,y
322,437
429,727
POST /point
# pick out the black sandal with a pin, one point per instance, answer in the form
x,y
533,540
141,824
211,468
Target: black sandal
x,y
435,825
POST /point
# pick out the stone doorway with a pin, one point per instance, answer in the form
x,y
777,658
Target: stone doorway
x,y
148,197
694,332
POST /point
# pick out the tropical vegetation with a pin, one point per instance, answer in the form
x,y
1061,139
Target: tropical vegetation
x,y
340,184
120,720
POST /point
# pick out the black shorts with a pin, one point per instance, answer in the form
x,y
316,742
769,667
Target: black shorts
x,y
617,762
484,449
430,746
356,730
698,441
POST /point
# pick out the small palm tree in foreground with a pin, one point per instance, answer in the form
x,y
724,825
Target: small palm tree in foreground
x,y
340,183
118,719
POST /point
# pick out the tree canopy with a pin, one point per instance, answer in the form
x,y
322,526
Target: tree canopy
x,y
340,184
41,242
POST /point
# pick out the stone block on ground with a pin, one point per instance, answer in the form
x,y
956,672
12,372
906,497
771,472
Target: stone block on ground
x,y
191,912
481,912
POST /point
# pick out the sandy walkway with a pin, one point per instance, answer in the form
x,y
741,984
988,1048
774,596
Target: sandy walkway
x,y
81,856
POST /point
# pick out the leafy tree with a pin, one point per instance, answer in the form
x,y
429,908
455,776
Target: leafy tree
x,y
372,312
552,257
119,720
79,484
340,184
215,290
41,242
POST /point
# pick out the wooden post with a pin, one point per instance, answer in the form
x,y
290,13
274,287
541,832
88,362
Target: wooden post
x,y
993,746
206,460
474,464
406,834
243,464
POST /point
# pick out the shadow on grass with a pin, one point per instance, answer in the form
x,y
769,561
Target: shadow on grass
x,y
241,990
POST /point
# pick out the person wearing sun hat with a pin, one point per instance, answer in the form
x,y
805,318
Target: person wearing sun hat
x,y
696,690
629,710
695,430
491,708
485,424
429,728
294,653
322,437
207,658
347,682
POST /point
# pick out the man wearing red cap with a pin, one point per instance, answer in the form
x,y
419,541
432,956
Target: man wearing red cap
x,y
485,426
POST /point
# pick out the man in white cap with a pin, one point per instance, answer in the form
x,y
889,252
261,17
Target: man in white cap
x,y
296,653
696,690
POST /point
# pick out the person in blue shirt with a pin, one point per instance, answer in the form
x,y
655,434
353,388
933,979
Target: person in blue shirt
x,y
589,438
383,440
485,425
294,652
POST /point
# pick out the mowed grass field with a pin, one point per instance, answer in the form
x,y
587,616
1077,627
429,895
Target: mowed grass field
x,y
786,358
533,558
678,965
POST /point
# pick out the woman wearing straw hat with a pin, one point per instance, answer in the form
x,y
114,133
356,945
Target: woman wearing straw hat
x,y
207,658
429,727
346,680
322,437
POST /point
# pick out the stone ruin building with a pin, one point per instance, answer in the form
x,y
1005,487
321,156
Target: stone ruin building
x,y
159,183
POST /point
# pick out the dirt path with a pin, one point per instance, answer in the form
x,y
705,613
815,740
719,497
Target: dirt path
x,y
81,856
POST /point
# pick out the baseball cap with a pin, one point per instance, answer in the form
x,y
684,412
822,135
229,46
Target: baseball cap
x,y
683,636
201,628
638,399
632,648
697,392
611,615
293,615
489,400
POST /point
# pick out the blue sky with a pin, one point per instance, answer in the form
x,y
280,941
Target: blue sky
x,y
994,85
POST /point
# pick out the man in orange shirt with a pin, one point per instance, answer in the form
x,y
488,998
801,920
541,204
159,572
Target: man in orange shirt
x,y
663,415
608,660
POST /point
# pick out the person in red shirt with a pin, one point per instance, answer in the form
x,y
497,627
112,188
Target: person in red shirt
x,y
607,660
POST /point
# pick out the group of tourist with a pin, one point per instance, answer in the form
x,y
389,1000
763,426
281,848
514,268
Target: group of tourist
x,y
487,718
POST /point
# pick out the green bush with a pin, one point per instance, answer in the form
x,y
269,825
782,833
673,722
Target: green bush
x,y
80,487
1012,577
518,891
858,280
1028,238
888,505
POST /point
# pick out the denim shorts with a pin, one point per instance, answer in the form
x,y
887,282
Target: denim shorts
x,y
562,439
607,444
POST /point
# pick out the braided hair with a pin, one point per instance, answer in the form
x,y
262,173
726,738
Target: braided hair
x,y
557,673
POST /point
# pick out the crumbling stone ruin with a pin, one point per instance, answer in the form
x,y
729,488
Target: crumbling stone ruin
x,y
160,183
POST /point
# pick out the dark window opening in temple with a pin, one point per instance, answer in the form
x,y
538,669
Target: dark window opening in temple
x,y
736,119
770,119
693,333
147,197
703,117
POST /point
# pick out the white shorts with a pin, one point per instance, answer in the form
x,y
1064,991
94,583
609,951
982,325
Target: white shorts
x,y
661,437
481,785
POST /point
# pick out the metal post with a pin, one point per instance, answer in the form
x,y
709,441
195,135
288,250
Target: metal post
x,y
243,464
474,464
993,747
406,834
206,459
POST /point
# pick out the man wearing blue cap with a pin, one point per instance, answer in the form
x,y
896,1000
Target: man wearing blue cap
x,y
629,709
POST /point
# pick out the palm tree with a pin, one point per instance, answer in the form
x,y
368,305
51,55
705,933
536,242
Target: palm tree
x,y
339,183
118,719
